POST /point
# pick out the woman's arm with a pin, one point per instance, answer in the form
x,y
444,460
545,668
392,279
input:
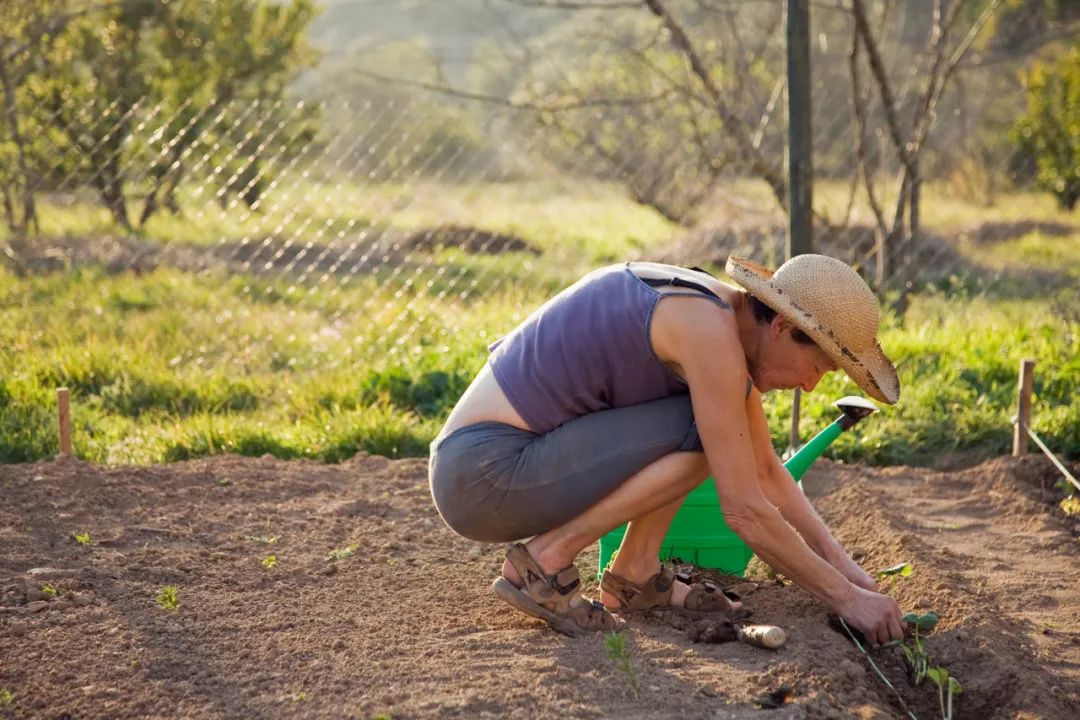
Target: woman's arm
x,y
780,488
704,344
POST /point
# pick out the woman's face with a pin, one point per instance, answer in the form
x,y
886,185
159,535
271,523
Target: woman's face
x,y
783,363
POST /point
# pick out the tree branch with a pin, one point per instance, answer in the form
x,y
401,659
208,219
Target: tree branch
x,y
732,123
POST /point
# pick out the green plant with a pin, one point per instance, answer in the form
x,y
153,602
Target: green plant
x,y
300,696
381,716
168,597
617,651
82,538
49,590
269,562
6,697
335,555
915,653
1050,129
1071,505
948,686
904,569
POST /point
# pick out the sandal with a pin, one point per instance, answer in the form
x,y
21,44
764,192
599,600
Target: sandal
x,y
655,593
548,597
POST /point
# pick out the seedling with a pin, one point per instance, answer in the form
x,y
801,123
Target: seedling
x,y
918,660
49,590
1071,505
82,538
948,686
269,562
902,570
617,651
346,552
6,698
168,597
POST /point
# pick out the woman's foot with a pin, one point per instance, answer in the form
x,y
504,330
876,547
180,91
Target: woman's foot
x,y
550,594
650,585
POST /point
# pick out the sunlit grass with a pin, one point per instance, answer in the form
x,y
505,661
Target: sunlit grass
x,y
168,365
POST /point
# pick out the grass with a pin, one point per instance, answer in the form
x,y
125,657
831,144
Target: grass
x,y
170,365
168,598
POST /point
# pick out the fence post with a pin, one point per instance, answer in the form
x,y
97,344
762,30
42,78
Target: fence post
x,y
800,239
62,399
1023,410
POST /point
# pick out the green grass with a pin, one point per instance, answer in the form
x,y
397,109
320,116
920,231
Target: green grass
x,y
169,365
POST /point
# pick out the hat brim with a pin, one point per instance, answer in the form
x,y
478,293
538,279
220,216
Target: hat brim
x,y
871,369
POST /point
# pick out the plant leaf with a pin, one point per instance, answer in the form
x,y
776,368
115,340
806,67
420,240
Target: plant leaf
x,y
903,570
924,622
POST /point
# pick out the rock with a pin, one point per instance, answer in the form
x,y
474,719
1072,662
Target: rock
x,y
17,629
338,644
33,594
654,688
37,605
476,551
49,573
851,669
330,570
82,599
565,673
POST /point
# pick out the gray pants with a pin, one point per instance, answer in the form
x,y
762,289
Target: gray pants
x,y
493,482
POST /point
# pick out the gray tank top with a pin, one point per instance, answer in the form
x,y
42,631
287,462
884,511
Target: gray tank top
x,y
588,349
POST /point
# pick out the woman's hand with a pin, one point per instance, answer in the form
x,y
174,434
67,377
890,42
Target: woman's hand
x,y
877,616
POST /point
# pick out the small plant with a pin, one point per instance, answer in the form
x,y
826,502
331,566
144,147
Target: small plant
x,y
82,538
1071,505
269,562
915,653
617,651
381,716
902,570
264,539
335,555
49,590
948,686
300,696
168,597
6,697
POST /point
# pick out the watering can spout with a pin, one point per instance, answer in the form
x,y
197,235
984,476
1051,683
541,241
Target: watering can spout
x,y
855,409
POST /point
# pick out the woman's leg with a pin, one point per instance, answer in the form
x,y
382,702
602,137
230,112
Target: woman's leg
x,y
649,500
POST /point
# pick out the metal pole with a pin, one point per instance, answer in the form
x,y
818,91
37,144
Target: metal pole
x,y
800,166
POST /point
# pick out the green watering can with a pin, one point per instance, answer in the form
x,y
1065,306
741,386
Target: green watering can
x,y
698,533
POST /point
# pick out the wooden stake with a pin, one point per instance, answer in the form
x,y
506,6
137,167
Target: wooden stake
x,y
1023,412
65,422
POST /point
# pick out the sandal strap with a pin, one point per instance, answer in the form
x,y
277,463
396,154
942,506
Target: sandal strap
x,y
651,593
549,590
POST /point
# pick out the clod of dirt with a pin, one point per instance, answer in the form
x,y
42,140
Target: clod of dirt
x,y
712,631
776,698
82,599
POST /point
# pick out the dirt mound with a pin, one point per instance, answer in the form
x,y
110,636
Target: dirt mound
x,y
995,232
370,605
469,239
361,251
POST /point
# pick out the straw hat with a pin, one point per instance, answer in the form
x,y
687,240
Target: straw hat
x,y
826,299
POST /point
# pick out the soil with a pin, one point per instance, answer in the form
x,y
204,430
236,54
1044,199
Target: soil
x,y
406,625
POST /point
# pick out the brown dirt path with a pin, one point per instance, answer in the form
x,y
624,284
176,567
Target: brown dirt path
x,y
406,626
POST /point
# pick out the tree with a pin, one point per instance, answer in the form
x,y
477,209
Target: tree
x,y
1050,128
128,73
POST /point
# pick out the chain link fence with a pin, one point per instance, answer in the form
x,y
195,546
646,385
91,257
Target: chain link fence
x,y
393,213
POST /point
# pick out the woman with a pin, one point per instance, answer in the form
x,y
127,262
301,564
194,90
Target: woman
x,y
621,394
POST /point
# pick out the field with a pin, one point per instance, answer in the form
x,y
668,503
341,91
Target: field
x,y
210,333
302,589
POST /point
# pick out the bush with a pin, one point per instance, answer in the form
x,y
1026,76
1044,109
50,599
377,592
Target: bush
x,y
1050,129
